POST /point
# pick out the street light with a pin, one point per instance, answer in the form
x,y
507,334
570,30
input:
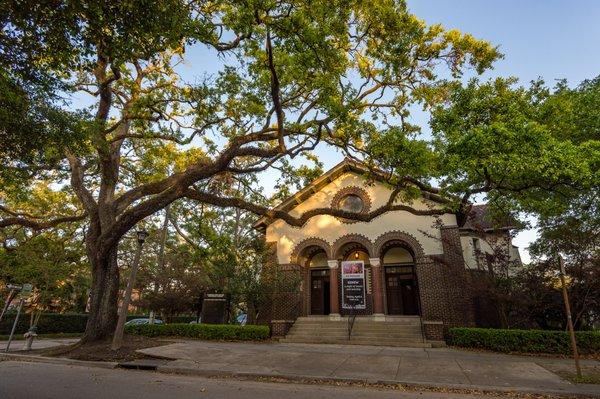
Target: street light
x,y
141,236
118,336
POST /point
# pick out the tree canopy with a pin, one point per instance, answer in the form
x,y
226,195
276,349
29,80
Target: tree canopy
x,y
291,75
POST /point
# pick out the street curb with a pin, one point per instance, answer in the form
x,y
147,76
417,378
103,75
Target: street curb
x,y
57,360
306,379
366,381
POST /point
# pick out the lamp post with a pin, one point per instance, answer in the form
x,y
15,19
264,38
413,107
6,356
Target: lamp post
x,y
117,341
561,264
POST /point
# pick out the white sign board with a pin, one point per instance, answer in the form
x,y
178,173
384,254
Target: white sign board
x,y
353,285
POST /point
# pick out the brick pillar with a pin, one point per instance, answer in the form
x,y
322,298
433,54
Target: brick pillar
x,y
334,301
460,300
376,275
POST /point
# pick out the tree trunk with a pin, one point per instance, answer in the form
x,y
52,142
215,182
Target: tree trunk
x,y
104,295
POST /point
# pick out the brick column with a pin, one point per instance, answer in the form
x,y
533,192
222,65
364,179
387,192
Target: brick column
x,y
377,286
334,301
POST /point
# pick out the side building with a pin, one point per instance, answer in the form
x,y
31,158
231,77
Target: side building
x,y
414,265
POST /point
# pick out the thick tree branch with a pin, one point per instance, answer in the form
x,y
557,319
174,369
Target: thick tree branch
x,y
39,224
231,202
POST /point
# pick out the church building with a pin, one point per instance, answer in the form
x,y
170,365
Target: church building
x,y
399,266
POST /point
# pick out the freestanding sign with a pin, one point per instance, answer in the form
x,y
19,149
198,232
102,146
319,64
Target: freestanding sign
x,y
215,308
353,285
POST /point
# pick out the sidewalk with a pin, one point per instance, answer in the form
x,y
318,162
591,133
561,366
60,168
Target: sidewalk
x,y
422,366
44,343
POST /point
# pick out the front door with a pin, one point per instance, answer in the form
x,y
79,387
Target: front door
x,y
401,290
319,292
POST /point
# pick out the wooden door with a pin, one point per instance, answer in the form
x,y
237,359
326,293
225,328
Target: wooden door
x,y
401,290
319,292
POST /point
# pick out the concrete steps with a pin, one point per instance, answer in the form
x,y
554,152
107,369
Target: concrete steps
x,y
393,331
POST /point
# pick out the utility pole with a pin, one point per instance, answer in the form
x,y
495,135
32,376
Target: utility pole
x,y
118,336
561,262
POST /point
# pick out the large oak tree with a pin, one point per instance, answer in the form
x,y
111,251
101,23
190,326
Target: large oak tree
x,y
290,75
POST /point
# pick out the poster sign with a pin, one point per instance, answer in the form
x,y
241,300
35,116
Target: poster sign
x,y
353,285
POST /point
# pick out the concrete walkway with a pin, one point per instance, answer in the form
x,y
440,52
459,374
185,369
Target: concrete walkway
x,y
43,343
437,367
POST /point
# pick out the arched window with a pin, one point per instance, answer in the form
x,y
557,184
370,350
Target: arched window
x,y
318,259
395,255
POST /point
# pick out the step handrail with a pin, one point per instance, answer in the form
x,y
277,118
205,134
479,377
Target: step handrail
x,y
351,320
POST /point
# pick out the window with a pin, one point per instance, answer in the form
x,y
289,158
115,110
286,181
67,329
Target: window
x,y
352,203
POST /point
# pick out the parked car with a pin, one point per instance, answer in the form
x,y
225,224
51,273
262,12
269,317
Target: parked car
x,y
135,322
242,319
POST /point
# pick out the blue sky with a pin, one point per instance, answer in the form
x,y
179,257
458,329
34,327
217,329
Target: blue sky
x,y
550,39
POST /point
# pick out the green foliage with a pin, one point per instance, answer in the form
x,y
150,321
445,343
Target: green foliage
x,y
54,265
220,332
502,140
56,323
49,323
525,341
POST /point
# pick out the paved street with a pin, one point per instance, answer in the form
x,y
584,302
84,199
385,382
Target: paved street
x,y
445,366
20,380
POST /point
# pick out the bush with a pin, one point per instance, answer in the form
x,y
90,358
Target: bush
x,y
221,332
49,323
526,341
53,323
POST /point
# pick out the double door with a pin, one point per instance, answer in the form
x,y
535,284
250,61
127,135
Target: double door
x,y
401,290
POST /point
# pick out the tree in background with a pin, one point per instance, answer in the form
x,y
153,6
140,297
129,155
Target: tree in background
x,y
56,267
482,131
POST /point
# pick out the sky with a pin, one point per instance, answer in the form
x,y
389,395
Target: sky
x,y
550,39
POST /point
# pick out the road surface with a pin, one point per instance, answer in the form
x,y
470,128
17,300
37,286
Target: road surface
x,y
23,380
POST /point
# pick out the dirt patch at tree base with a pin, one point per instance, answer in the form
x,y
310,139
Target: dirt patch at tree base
x,y
101,351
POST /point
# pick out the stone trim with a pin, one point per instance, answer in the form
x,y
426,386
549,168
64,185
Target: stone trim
x,y
350,238
309,242
352,190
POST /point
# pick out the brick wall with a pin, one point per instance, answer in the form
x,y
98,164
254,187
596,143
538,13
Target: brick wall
x,y
460,299
445,287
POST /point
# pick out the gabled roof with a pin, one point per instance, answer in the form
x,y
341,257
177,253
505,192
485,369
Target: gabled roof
x,y
347,165
479,217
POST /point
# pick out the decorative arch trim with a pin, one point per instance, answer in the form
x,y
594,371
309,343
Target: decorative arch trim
x,y
307,243
350,238
352,190
411,242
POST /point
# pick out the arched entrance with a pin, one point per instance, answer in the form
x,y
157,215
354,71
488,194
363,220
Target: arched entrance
x,y
400,280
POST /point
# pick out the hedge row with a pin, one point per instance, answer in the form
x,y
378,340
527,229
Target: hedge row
x,y
525,341
220,332
49,323
52,323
